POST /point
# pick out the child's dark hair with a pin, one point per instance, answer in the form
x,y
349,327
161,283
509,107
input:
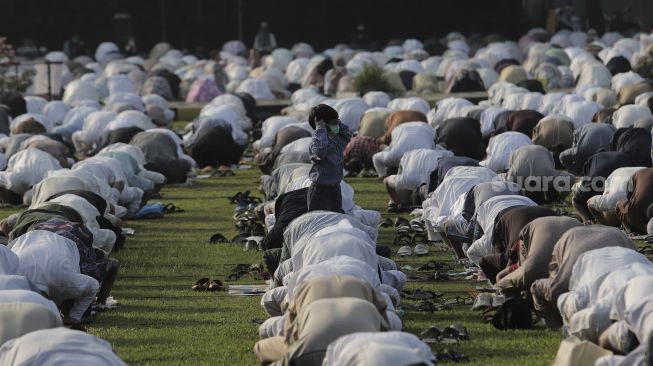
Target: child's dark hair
x,y
321,112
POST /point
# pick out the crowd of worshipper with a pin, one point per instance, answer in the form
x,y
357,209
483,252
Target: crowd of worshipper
x,y
566,115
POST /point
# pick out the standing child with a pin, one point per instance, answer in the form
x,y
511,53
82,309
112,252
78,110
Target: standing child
x,y
326,151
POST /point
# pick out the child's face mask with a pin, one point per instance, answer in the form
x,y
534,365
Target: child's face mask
x,y
335,129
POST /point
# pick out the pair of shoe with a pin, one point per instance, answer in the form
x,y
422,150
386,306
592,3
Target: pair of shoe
x,y
368,173
485,301
451,334
395,208
414,239
419,250
207,284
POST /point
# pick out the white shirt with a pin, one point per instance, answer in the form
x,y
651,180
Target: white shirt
x,y
350,111
270,127
341,265
344,350
616,189
26,296
457,182
416,166
8,261
343,240
485,216
627,115
130,119
26,168
410,103
51,262
500,148
411,136
59,346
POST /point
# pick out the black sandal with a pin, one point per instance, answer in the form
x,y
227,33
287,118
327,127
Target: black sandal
x,y
434,266
431,335
218,238
646,250
216,285
403,239
400,221
419,238
420,294
171,208
201,285
386,223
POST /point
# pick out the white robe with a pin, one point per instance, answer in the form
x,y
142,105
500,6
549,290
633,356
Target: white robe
x,y
457,182
8,261
416,166
270,127
103,239
501,147
51,262
342,265
26,296
627,115
411,103
616,189
350,111
26,168
405,137
343,240
485,216
346,350
59,346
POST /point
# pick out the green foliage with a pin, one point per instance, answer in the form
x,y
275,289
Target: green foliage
x,y
372,78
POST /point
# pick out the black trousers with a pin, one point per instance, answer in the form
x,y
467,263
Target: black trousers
x,y
324,198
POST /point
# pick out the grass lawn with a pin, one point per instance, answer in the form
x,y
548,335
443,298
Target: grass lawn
x,y
162,322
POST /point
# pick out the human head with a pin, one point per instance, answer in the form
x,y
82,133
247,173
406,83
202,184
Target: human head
x,y
323,112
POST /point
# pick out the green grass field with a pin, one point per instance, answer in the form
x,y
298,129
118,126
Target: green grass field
x,y
162,322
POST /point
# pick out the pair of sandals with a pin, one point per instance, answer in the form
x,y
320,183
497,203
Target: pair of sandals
x,y
207,284
223,173
253,243
452,334
646,250
405,226
450,355
218,238
419,250
247,228
420,294
367,173
256,270
427,306
434,266
458,300
408,239
395,208
487,301
243,197
433,276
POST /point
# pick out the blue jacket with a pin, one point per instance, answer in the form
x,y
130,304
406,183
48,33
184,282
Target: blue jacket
x,y
326,153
